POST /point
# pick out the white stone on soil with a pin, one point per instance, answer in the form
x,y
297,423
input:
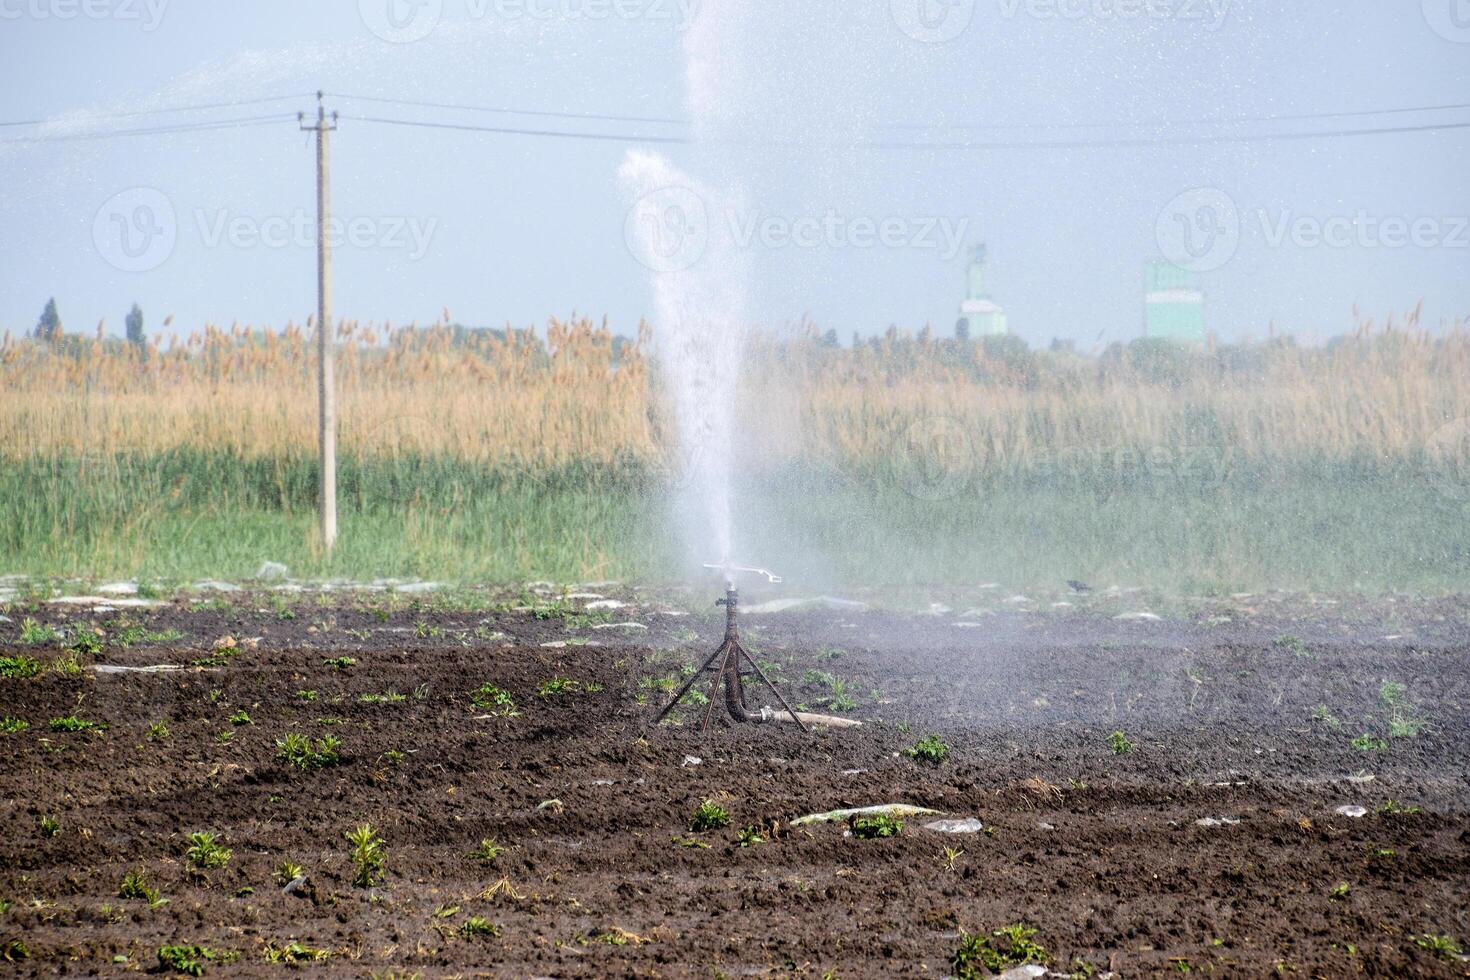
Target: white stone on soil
x,y
967,826
1354,812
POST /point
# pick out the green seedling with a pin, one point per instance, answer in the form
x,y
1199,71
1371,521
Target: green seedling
x,y
88,642
14,951
709,816
876,827
980,956
555,686
488,850
156,731
368,855
33,633
1325,716
189,960
1121,744
68,665
206,852
288,872
1443,947
341,663
1394,808
749,837
241,717
299,751
932,750
497,701
1368,742
20,666
11,725
50,826
293,952
1340,892
391,697
951,855
307,695
476,926
71,723
1402,722
135,886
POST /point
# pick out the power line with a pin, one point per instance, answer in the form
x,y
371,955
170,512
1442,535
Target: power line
x,y
547,114
194,127
199,107
1121,142
1038,127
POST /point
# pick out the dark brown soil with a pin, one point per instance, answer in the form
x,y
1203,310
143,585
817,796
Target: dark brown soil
x,y
1100,852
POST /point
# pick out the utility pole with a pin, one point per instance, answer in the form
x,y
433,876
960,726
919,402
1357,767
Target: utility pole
x,y
326,377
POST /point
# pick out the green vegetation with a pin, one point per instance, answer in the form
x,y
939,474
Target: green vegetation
x,y
135,886
156,731
190,960
368,855
876,827
750,836
1443,947
1368,742
205,852
71,723
488,850
20,666
241,717
488,697
293,953
932,750
1121,744
475,927
555,686
709,816
288,872
298,750
980,956
341,663
33,633
11,725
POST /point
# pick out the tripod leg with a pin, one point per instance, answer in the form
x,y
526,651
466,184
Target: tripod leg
x,y
774,689
684,688
709,706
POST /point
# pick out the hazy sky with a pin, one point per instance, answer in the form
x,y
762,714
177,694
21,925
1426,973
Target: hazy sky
x,y
215,225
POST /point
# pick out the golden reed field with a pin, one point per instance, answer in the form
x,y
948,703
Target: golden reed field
x,y
570,393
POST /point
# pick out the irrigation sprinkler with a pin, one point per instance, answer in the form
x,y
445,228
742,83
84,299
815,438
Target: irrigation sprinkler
x,y
728,663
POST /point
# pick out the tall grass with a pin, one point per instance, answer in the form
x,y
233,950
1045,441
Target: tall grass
x,y
513,453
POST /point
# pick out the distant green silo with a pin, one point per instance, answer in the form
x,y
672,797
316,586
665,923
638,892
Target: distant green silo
x,y
1174,306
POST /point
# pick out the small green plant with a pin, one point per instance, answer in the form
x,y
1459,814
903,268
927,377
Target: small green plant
x,y
50,826
288,872
951,855
241,717
20,666
33,633
299,751
68,665
368,855
1393,808
749,837
876,827
188,960
497,701
134,885
1340,892
307,695
11,725
1121,744
14,951
393,757
1293,645
476,926
1368,742
156,731
341,663
391,697
709,815
980,956
88,642
1402,722
488,850
293,952
206,852
71,723
555,686
1443,947
932,750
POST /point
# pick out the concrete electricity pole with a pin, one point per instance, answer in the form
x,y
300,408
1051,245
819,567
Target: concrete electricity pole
x,y
326,372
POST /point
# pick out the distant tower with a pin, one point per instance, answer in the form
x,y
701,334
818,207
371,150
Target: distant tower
x,y
1174,306
979,312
